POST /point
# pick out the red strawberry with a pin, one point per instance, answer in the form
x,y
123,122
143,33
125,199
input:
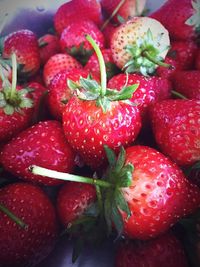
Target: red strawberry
x,y
73,40
24,44
165,251
48,46
77,10
184,18
125,9
58,63
26,247
176,129
93,64
187,83
73,200
43,144
108,30
140,45
198,60
60,93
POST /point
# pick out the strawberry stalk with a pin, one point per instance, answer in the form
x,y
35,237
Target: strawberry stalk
x,y
13,217
156,62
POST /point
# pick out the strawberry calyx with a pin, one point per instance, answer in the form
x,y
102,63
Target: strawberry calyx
x,y
11,99
145,55
80,53
194,20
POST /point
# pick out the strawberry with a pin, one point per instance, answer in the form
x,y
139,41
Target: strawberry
x,y
59,91
123,9
24,44
184,18
43,144
166,251
58,63
48,46
29,243
108,30
140,45
72,39
176,128
77,10
93,64
190,85
198,60
73,200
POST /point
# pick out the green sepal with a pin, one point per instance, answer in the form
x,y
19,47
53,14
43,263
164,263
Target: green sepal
x,y
42,44
90,85
80,53
194,20
110,156
121,203
8,109
117,219
73,85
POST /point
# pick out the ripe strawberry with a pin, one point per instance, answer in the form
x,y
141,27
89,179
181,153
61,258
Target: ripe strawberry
x,y
60,93
24,44
187,83
26,247
48,46
77,10
73,200
198,60
184,18
58,63
43,144
140,45
176,128
93,64
165,251
124,9
73,40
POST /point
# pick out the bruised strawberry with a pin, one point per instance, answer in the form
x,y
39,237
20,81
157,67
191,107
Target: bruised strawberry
x,y
28,245
43,144
58,63
77,10
176,129
24,44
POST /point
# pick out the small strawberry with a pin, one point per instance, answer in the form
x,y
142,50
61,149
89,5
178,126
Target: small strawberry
x,y
184,23
77,10
29,243
176,129
43,144
72,39
140,45
165,251
24,44
58,63
187,83
93,64
48,46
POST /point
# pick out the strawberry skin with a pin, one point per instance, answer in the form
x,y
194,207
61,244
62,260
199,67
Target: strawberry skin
x,y
87,128
159,194
43,144
77,10
73,200
58,63
165,251
24,44
20,247
176,129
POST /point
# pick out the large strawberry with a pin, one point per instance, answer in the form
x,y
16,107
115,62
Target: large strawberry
x,y
24,44
72,39
165,251
176,129
140,45
57,63
184,17
77,10
43,144
98,116
29,238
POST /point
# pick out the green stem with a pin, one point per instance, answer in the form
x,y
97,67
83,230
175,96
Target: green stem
x,y
179,95
67,177
14,75
101,64
159,63
17,220
113,14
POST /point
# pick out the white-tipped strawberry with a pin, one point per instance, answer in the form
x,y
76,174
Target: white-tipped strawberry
x,y
140,45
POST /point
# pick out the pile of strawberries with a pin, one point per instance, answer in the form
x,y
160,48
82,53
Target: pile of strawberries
x,y
105,112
